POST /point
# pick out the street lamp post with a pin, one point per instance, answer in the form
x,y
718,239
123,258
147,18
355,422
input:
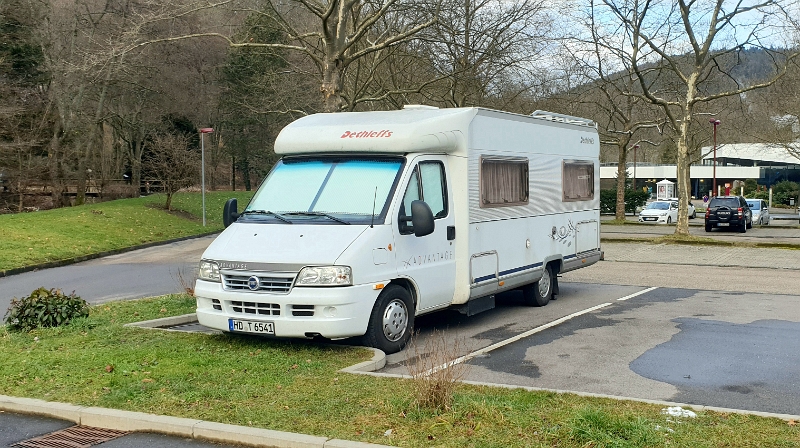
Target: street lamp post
x,y
203,131
635,147
716,123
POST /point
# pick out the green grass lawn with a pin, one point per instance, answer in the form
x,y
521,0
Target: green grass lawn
x,y
296,386
39,237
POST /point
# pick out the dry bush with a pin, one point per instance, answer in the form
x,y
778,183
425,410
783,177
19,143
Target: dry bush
x,y
186,279
435,369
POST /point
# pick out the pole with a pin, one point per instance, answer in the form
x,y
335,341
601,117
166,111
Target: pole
x,y
715,123
203,173
635,147
203,168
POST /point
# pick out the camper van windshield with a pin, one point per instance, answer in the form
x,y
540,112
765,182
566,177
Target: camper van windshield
x,y
329,191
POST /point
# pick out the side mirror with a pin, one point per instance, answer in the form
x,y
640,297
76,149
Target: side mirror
x,y
422,218
230,212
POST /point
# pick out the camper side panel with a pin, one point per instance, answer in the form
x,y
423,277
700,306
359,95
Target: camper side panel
x,y
510,244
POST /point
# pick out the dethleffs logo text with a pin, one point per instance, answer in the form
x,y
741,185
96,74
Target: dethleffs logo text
x,y
367,134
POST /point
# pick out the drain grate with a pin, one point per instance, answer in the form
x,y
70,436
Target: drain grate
x,y
72,437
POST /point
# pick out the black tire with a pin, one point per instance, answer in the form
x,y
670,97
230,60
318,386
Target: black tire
x,y
694,215
392,320
669,220
539,293
750,224
708,227
743,227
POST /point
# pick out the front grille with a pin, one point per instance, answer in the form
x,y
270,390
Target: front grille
x,y
267,309
266,283
303,310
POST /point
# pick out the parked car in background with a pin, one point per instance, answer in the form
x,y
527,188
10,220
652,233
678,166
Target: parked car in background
x,y
692,211
729,211
660,212
760,211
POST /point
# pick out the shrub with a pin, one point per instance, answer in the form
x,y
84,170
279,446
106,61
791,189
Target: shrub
x,y
44,308
434,374
633,199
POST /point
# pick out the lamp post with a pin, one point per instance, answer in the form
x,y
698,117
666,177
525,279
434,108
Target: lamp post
x,y
715,122
203,131
635,147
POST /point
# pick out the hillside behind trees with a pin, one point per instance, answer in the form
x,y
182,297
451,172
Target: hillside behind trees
x,y
87,88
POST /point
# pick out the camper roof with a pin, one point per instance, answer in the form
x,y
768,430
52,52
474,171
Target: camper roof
x,y
414,129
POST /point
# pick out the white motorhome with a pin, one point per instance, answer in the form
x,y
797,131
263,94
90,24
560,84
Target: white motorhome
x,y
372,218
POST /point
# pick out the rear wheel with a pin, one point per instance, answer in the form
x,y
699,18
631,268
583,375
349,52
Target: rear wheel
x,y
540,293
743,227
748,224
708,227
392,320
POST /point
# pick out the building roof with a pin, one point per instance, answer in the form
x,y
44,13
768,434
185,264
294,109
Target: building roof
x,y
765,152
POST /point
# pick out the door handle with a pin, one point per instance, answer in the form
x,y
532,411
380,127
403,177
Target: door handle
x,y
451,233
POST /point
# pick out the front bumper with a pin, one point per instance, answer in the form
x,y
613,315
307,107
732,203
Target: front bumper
x,y
331,312
653,219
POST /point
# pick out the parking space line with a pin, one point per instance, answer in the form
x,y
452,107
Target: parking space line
x,y
636,294
516,338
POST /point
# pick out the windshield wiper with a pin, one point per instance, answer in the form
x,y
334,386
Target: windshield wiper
x,y
320,214
266,212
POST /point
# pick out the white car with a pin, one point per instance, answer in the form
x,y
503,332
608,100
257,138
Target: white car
x,y
760,211
692,211
660,212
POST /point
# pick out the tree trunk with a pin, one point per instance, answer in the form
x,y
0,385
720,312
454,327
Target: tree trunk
x,y
682,227
136,168
332,86
622,177
233,173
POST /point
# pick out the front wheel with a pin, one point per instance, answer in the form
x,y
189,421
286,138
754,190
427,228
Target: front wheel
x,y
392,320
669,220
539,293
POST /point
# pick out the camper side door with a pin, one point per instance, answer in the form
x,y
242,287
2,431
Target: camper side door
x,y
428,261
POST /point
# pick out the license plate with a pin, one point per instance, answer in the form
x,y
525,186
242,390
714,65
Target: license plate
x,y
724,224
650,219
249,326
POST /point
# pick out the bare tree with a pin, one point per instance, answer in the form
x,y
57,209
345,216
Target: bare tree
x,y
333,34
172,163
693,42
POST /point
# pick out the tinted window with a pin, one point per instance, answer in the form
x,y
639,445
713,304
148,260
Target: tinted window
x,y
753,204
727,202
578,180
504,181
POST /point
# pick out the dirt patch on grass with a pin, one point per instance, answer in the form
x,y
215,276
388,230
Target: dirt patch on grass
x,y
175,212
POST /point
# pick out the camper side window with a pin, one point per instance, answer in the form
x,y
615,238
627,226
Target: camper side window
x,y
578,180
504,181
427,183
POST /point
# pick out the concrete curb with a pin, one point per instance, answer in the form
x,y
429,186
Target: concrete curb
x,y
176,426
159,324
68,261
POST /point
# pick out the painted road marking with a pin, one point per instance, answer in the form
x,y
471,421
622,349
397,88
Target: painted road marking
x,y
637,294
516,338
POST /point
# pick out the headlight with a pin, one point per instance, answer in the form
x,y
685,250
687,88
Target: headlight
x,y
325,276
663,214
209,271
